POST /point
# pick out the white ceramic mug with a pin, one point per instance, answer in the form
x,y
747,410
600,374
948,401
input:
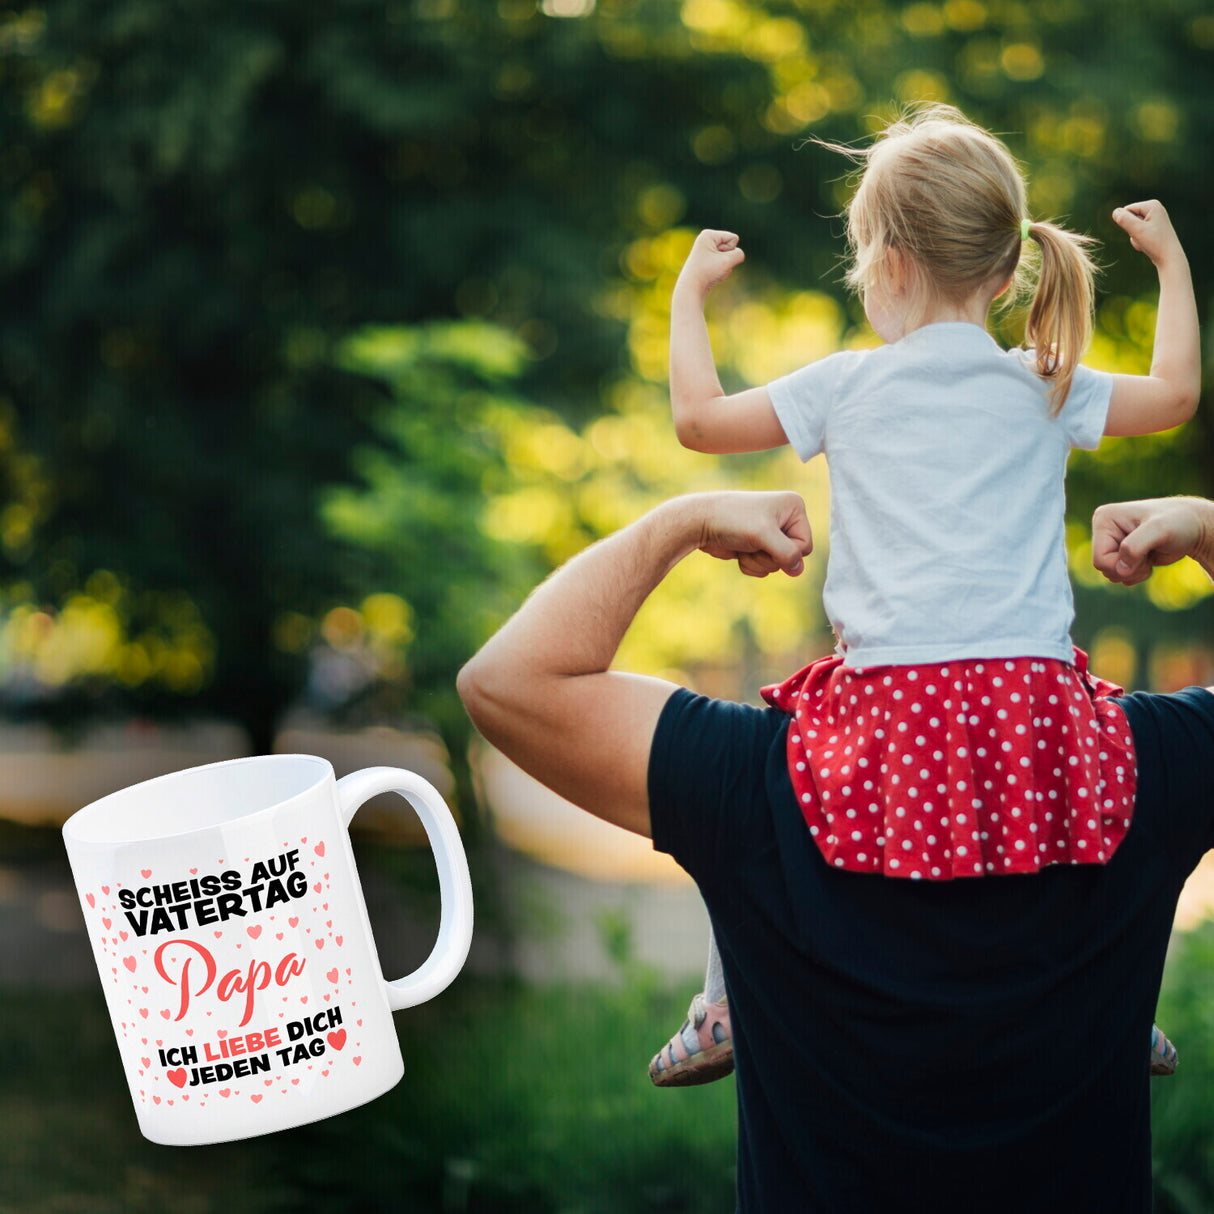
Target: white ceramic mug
x,y
230,932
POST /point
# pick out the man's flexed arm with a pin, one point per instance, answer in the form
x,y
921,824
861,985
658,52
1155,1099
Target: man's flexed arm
x,y
540,690
1129,539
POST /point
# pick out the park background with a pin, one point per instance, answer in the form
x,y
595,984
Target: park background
x,y
327,328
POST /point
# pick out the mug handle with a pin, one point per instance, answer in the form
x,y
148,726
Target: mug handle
x,y
455,886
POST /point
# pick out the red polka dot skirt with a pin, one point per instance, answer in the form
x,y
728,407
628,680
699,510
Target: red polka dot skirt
x,y
959,769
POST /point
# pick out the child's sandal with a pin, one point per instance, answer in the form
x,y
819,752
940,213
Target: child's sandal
x,y
1163,1053
700,1052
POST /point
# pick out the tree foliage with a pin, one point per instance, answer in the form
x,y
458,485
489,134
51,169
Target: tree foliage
x,y
204,201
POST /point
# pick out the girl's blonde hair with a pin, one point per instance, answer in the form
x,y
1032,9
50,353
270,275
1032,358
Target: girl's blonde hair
x,y
949,197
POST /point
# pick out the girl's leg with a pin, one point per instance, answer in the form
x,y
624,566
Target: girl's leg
x,y
702,1050
714,975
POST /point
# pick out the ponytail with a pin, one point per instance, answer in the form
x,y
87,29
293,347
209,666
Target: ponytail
x,y
1060,320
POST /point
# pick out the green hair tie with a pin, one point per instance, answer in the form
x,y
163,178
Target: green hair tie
x,y
1025,224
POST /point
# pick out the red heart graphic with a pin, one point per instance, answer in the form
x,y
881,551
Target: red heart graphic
x,y
108,923
130,963
269,1082
146,1061
357,1061
165,1013
303,999
143,1011
294,920
337,1040
333,975
304,839
105,889
221,1032
225,1092
278,935
218,934
189,1032
90,899
155,1099
254,932
193,871
178,1077
316,887
320,944
145,873
123,935
338,940
328,923
255,1099
319,849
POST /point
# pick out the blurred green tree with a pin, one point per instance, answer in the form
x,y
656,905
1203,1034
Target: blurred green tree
x,y
415,509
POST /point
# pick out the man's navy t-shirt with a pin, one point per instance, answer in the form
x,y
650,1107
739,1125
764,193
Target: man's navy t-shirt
x,y
976,1045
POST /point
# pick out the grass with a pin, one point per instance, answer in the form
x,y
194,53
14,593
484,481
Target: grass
x,y
513,1099
1182,1110
68,1137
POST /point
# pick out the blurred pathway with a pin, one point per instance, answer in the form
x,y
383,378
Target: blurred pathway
x,y
554,927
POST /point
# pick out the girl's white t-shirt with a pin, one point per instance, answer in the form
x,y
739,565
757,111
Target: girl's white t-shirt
x,y
947,494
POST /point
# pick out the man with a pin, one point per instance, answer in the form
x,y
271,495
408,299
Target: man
x,y
970,1045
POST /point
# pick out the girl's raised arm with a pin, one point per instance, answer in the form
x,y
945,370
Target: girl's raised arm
x,y
705,419
1167,397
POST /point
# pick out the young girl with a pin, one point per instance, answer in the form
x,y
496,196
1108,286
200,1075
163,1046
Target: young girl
x,y
956,732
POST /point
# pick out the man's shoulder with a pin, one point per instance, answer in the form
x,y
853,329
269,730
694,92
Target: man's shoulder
x,y
1174,751
714,768
1155,715
695,730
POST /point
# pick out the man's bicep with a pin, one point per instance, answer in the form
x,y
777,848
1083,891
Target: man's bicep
x,y
589,741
